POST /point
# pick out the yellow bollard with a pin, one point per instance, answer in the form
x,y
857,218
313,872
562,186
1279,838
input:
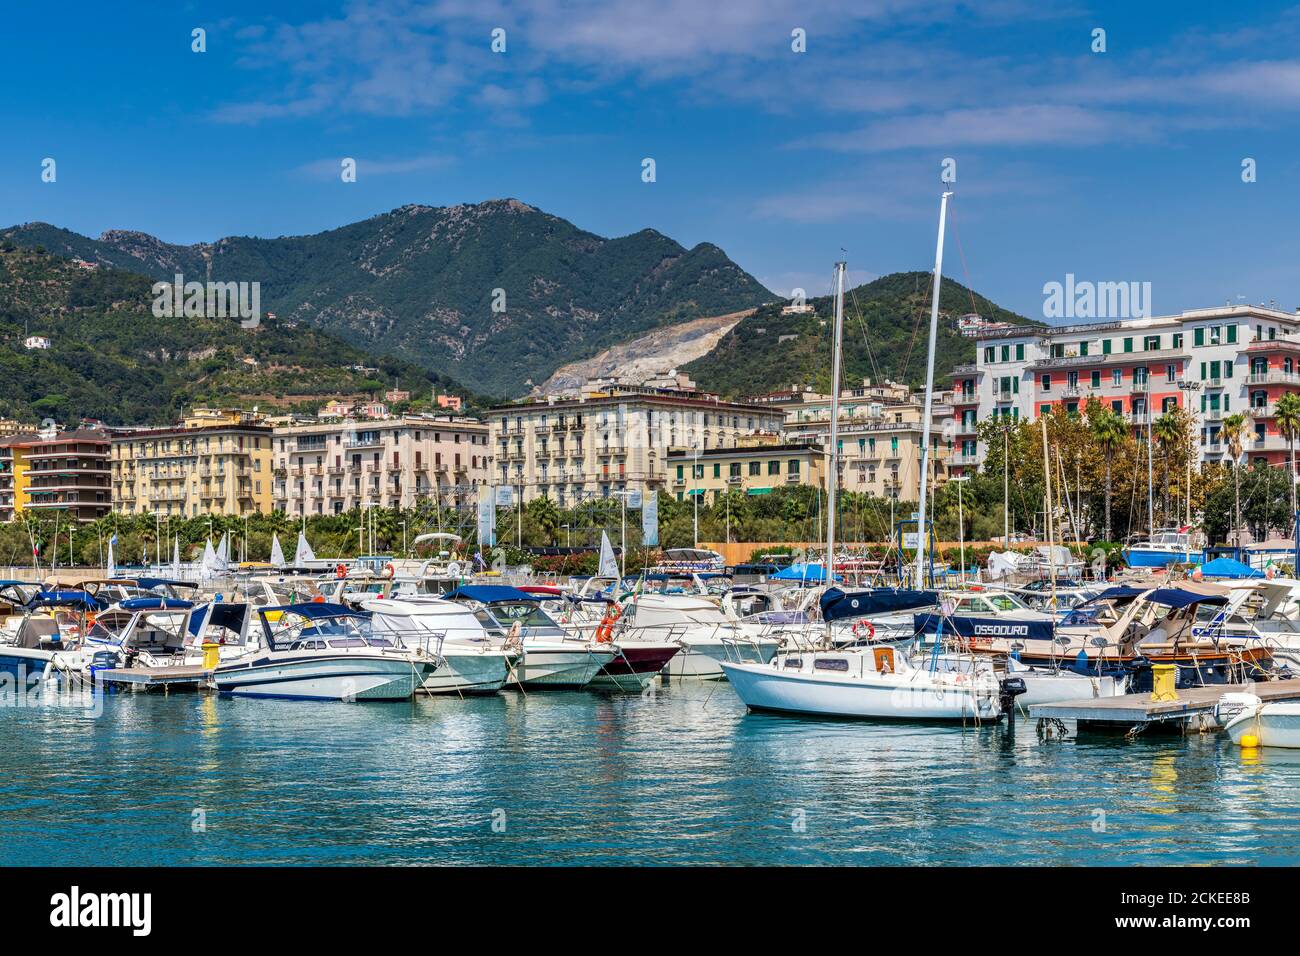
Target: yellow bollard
x,y
1163,679
211,655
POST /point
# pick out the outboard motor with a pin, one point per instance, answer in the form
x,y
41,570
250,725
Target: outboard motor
x,y
1011,688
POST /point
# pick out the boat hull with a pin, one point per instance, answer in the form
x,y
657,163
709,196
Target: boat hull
x,y
635,665
1273,725
560,669
469,672
704,660
343,677
877,697
1154,558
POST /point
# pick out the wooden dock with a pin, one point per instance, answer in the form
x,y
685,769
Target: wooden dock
x,y
1193,710
149,678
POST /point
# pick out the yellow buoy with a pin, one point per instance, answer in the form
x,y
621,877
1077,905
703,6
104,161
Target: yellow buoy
x,y
211,655
1249,742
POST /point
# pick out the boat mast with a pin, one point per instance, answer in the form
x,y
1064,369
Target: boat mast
x,y
921,539
833,478
1151,490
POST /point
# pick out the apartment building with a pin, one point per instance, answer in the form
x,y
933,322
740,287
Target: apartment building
x,y
1213,362
214,462
333,467
755,465
611,437
66,471
880,435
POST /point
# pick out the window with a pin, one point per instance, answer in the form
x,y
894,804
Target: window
x,y
755,468
1232,334
1198,337
1178,340
680,470
1044,409
1128,345
717,469
1171,373
774,468
734,470
988,355
1096,378
1105,346
1020,352
793,467
1047,383
1083,348
1116,377
1006,353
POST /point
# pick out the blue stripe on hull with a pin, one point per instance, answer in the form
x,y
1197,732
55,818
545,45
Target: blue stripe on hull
x,y
1155,559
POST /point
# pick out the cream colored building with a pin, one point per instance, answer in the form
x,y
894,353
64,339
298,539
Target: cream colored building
x,y
880,431
757,465
333,467
611,438
215,462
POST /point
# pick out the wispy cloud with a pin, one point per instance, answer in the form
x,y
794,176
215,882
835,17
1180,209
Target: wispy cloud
x,y
331,168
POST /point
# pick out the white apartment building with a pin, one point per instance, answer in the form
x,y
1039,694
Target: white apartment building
x,y
1213,362
613,439
333,467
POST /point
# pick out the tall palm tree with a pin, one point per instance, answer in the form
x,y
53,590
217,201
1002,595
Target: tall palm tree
x,y
1287,416
1168,431
1233,431
1110,432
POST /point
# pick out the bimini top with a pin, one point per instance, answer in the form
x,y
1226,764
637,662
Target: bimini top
x,y
77,599
313,610
490,594
151,583
1118,593
155,604
1181,597
803,572
1228,568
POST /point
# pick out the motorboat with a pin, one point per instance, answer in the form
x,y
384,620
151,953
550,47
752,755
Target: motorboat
x,y
49,643
1272,724
638,657
1167,546
473,661
324,651
160,632
706,635
552,657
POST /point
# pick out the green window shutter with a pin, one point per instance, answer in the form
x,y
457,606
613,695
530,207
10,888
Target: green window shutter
x,y
680,470
1015,386
1227,366
1128,345
1105,346
1020,352
717,470
1096,378
1198,337
1006,353
1044,409
1232,334
1083,348
1202,371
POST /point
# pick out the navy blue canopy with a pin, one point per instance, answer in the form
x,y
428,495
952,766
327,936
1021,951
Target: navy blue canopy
x,y
155,604
490,593
78,599
221,615
838,604
151,583
315,609
1177,597
1119,592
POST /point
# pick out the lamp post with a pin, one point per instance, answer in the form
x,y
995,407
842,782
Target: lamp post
x,y
404,538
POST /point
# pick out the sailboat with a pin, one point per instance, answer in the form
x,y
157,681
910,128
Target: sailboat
x,y
277,553
873,681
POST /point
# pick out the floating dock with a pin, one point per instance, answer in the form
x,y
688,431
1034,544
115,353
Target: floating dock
x,y
1193,710
150,678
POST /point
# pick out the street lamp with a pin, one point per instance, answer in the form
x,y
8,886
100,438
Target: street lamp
x,y
404,554
623,494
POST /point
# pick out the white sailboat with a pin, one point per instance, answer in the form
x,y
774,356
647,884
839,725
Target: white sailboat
x,y
277,553
872,681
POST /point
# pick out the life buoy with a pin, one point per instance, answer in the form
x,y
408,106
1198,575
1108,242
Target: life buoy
x,y
340,571
605,630
389,570
860,626
453,569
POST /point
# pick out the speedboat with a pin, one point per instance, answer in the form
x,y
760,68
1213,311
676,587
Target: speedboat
x,y
1274,724
473,661
552,657
324,651
638,657
706,635
50,640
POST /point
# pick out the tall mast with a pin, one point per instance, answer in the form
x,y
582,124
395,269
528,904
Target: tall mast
x,y
921,538
1151,489
833,479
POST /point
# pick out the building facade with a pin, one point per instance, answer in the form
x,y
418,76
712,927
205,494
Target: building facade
x,y
755,466
333,467
66,472
880,435
611,438
213,463
1211,362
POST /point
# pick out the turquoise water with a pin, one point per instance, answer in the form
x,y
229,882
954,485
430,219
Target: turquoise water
x,y
684,776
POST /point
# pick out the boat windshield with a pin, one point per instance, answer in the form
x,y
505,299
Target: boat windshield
x,y
527,614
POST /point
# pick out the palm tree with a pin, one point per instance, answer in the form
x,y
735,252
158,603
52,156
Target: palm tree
x,y
1109,431
1168,431
1287,416
1232,432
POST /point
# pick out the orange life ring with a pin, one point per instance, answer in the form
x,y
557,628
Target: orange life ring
x,y
859,626
389,570
605,630
340,571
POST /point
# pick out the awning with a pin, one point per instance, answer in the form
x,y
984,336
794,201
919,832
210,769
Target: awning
x,y
695,491
758,491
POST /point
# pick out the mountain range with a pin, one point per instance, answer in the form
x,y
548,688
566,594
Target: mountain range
x,y
498,293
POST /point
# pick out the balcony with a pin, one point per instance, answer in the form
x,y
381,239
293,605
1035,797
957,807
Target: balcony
x,y
1274,377
962,459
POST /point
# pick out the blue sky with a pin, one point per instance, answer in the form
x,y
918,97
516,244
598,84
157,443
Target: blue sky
x,y
1115,166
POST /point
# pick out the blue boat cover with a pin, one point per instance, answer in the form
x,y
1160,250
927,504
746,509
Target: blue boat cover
x,y
77,599
222,615
987,626
1228,568
490,593
155,604
158,582
314,609
838,604
802,572
1177,597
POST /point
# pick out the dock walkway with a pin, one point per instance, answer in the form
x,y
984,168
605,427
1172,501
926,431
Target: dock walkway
x,y
147,678
1193,710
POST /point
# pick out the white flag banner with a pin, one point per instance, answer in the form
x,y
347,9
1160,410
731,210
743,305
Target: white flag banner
x,y
650,521
608,566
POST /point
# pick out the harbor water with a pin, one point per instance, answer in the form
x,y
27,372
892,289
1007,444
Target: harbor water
x,y
680,776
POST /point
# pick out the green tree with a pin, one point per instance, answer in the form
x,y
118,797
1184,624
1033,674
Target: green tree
x,y
1109,431
1287,416
1233,433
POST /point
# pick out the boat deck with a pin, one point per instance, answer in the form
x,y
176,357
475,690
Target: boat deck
x,y
147,678
1194,708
